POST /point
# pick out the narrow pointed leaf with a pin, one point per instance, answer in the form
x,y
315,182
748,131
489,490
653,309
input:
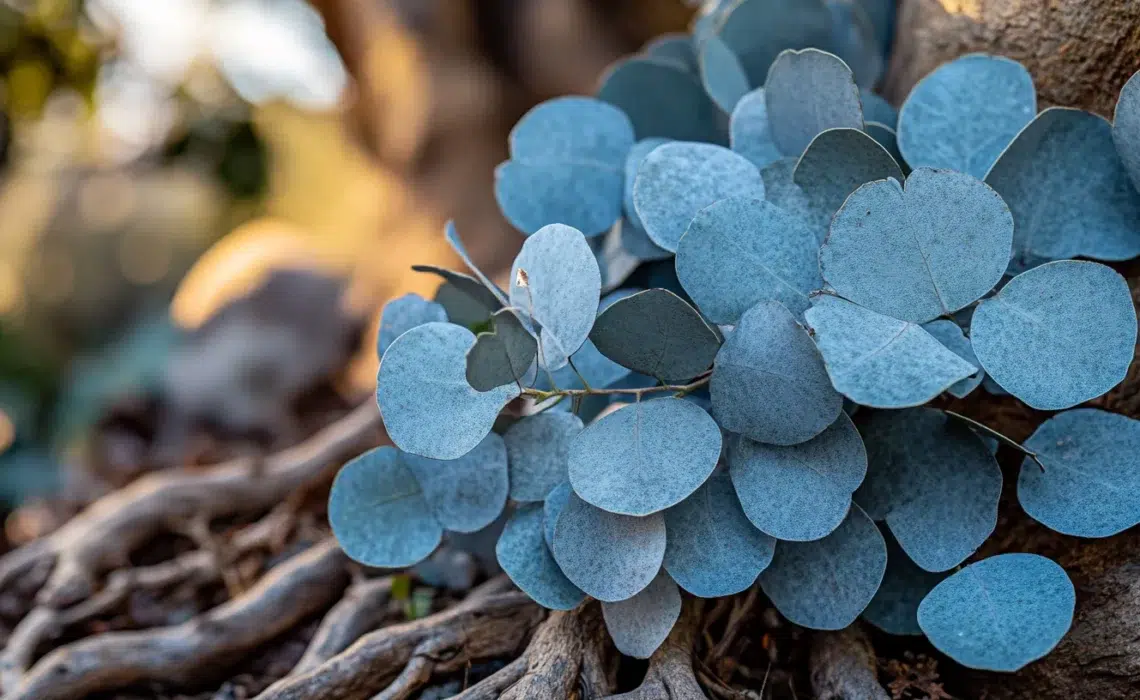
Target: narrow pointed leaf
x,y
656,333
644,457
827,583
524,556
1057,335
769,382
640,624
1001,613
712,549
452,418
879,361
799,492
609,556
456,243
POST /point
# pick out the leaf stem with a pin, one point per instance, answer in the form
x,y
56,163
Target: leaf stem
x,y
679,389
1000,437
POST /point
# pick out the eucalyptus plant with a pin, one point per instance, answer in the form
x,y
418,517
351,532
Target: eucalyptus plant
x,y
824,275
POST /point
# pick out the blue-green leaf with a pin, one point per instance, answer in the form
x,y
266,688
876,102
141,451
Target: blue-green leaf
x,y
899,251
657,333
799,492
951,336
877,109
633,162
640,624
886,137
662,99
504,355
894,609
964,114
879,361
1057,335
825,584
933,480
572,129
769,382
609,556
854,39
1068,189
741,251
644,457
428,407
1090,486
452,235
466,301
780,189
524,556
749,132
837,163
1001,613
404,313
465,494
808,92
722,75
552,507
677,180
538,448
712,549
756,31
676,48
1126,127
582,195
555,280
378,512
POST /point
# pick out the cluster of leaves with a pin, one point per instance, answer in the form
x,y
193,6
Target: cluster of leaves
x,y
760,415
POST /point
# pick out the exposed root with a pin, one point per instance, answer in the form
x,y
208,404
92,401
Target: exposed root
x,y
670,675
361,610
397,661
491,687
103,535
843,666
569,650
184,653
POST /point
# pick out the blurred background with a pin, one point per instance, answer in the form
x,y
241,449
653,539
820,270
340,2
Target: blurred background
x,y
205,203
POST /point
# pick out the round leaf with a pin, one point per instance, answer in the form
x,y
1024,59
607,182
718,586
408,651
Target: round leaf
x,y
879,361
741,251
583,195
749,132
877,109
757,31
1001,613
826,584
964,114
524,556
1068,189
466,301
838,162
1091,484
769,383
1057,335
609,556
808,92
640,624
721,73
899,252
712,548
572,129
662,100
951,336
552,507
633,162
1126,127
886,137
676,48
404,313
538,448
933,480
428,407
378,512
894,609
555,280
504,355
656,333
468,493
644,457
781,190
799,492
677,180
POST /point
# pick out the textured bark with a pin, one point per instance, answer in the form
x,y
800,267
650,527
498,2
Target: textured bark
x,y
670,675
1080,52
843,666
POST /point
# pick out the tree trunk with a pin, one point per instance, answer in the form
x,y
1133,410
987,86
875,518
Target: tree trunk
x,y
1080,52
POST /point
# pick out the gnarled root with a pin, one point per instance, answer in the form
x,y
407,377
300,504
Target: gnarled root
x,y
104,534
843,666
670,675
293,590
362,609
487,625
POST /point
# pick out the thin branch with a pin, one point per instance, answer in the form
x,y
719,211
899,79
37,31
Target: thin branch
x,y
1000,437
680,389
